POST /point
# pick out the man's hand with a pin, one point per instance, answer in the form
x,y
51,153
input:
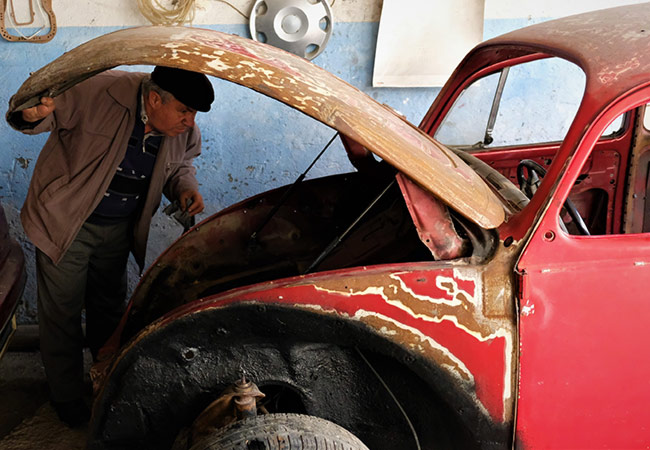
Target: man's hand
x,y
195,201
38,112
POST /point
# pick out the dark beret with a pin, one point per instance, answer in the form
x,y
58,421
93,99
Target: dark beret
x,y
193,89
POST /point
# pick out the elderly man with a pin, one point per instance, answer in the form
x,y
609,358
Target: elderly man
x,y
117,142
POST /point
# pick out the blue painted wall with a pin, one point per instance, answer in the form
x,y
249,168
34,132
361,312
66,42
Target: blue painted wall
x,y
250,143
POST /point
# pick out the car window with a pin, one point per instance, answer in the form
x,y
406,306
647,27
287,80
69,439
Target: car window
x,y
609,196
646,118
615,127
530,103
466,122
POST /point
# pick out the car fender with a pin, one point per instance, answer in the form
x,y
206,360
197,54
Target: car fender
x,y
427,316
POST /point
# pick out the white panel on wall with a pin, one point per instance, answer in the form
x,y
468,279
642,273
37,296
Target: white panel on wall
x,y
420,42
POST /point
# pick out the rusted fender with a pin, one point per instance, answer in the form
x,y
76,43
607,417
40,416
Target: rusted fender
x,y
289,79
434,310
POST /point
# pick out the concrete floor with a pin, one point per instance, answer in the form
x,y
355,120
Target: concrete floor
x,y
27,421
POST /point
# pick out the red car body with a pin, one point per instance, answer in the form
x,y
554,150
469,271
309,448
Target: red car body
x,y
453,304
581,300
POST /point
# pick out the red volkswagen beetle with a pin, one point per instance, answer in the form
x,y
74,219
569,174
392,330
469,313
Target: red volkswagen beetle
x,y
484,285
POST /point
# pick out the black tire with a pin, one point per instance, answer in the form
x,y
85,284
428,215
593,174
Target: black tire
x,y
281,432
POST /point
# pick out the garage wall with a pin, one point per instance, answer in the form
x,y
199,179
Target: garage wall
x,y
251,144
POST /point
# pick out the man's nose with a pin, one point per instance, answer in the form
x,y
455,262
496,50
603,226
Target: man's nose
x,y
188,120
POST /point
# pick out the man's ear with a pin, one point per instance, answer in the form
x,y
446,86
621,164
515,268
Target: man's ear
x,y
154,99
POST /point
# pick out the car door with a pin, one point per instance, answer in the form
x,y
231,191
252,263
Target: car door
x,y
585,309
583,313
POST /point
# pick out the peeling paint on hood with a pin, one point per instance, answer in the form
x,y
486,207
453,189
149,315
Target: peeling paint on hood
x,y
289,79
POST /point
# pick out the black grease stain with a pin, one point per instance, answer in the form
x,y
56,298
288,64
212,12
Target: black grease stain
x,y
23,162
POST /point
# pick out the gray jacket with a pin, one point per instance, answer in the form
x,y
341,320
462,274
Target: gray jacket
x,y
89,132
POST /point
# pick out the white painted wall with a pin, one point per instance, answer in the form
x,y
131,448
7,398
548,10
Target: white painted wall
x,y
125,12
515,9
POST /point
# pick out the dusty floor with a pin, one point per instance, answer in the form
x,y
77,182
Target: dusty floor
x,y
27,421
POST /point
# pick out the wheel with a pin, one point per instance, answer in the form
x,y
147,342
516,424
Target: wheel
x,y
281,431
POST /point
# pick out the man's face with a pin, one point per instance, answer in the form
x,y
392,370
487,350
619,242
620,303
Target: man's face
x,y
171,118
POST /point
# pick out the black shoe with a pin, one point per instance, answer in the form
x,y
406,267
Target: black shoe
x,y
74,413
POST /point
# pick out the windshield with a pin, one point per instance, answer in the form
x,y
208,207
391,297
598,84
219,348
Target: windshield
x,y
529,103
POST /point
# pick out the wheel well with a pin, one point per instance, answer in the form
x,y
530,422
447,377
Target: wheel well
x,y
314,364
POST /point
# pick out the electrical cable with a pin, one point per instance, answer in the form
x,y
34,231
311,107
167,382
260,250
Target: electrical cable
x,y
182,11
381,380
14,23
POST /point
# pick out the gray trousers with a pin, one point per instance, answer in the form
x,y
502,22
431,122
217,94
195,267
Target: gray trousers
x,y
92,274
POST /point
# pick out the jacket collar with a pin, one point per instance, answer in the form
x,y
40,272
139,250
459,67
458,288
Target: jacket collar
x,y
125,90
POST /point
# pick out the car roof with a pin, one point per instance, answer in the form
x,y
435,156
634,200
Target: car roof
x,y
612,46
289,79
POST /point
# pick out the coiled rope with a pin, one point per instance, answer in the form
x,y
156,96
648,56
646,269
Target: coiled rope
x,y
180,12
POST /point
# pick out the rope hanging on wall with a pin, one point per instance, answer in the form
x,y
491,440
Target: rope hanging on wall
x,y
180,12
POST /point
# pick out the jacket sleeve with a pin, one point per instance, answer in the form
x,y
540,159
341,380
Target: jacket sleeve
x,y
62,116
17,122
184,176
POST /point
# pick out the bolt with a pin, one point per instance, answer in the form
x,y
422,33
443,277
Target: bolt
x,y
188,354
549,236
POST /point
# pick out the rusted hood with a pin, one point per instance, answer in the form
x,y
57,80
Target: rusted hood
x,y
289,79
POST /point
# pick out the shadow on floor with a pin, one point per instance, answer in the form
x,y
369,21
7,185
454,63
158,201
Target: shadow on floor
x,y
27,421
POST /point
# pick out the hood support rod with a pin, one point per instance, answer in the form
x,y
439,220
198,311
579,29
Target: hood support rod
x,y
337,240
289,191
